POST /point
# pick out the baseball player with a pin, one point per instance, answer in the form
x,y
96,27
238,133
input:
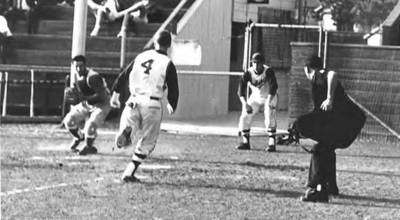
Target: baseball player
x,y
152,73
260,80
93,107
334,123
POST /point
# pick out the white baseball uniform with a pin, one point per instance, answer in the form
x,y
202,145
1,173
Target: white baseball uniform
x,y
152,72
260,86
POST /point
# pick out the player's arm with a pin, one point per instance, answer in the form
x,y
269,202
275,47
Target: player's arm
x,y
273,84
96,82
120,85
309,75
120,82
332,84
242,88
171,80
242,91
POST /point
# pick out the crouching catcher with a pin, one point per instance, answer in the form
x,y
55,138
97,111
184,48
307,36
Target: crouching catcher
x,y
90,106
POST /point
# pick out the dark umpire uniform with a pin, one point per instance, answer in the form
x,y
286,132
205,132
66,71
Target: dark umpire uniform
x,y
336,128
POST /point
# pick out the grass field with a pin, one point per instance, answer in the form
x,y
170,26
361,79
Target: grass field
x,y
187,177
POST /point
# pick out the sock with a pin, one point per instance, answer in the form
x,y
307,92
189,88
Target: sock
x,y
246,136
130,169
75,133
271,137
89,142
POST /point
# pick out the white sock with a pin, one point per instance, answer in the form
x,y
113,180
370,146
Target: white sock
x,y
129,170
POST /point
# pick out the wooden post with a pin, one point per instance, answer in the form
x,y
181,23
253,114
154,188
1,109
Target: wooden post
x,y
320,32
250,42
326,48
79,33
123,40
31,106
246,49
1,83
4,110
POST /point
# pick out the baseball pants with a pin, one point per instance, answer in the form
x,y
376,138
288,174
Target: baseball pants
x,y
145,120
256,103
94,116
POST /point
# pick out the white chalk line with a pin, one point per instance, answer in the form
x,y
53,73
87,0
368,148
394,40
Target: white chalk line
x,y
76,160
184,128
42,188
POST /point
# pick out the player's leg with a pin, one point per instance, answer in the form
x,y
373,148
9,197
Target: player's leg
x,y
151,122
111,10
96,118
124,26
271,122
72,121
96,29
332,187
128,126
317,175
245,121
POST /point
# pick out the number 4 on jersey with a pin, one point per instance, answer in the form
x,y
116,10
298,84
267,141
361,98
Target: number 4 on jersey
x,y
147,65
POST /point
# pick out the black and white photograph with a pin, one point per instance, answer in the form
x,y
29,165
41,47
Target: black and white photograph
x,y
200,109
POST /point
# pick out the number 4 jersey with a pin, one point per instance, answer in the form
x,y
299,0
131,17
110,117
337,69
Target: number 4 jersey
x,y
151,74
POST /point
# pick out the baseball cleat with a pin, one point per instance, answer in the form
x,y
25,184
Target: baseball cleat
x,y
312,195
243,146
129,179
124,139
74,144
88,150
271,148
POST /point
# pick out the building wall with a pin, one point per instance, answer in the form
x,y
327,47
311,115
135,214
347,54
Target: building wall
x,y
242,11
209,22
391,27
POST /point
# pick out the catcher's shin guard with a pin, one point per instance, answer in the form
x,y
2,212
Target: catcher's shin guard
x,y
77,138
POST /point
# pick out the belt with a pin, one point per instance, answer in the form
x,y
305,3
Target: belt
x,y
132,105
154,98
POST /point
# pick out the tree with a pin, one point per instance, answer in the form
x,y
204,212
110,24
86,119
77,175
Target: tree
x,y
367,13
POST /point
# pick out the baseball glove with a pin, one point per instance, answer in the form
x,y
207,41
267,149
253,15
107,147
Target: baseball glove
x,y
72,96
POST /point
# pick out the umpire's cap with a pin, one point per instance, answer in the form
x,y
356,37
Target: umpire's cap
x,y
314,62
164,38
257,58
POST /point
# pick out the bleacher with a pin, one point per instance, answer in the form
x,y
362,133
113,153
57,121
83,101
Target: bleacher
x,y
48,53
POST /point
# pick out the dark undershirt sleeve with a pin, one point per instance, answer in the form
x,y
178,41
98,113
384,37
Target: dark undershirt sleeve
x,y
172,84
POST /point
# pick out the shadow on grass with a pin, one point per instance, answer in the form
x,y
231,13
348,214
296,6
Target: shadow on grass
x,y
253,164
394,203
367,201
370,156
278,193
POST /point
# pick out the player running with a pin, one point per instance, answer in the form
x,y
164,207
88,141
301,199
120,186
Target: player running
x,y
260,80
152,73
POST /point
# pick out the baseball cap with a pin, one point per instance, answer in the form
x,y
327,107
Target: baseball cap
x,y
164,38
257,57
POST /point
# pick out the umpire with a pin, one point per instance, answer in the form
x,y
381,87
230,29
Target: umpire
x,y
334,123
